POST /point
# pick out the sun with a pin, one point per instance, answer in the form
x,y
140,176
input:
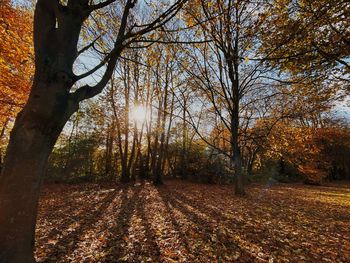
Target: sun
x,y
139,114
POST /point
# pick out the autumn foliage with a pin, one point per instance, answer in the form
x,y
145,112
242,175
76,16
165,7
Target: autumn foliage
x,y
316,153
239,99
16,59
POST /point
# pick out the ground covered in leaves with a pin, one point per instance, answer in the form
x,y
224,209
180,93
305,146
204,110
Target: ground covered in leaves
x,y
187,222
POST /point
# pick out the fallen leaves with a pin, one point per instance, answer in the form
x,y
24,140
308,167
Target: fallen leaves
x,y
186,222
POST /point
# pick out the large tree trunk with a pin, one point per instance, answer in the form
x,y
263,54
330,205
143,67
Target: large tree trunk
x,y
35,132
232,59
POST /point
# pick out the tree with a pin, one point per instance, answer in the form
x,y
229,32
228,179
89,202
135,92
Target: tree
x,y
16,63
309,36
57,28
222,68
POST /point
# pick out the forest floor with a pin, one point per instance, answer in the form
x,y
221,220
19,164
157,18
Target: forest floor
x,y
188,222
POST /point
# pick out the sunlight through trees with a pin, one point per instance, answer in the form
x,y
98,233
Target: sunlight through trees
x,y
129,93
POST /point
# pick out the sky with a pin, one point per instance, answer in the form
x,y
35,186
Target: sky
x,y
341,110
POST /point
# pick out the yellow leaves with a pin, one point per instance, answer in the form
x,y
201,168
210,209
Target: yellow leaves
x,y
192,12
190,21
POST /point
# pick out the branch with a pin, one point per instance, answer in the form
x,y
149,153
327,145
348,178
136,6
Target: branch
x,y
171,41
88,91
97,67
158,22
88,46
329,56
100,5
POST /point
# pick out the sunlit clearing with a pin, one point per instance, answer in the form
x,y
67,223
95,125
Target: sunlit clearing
x,y
139,114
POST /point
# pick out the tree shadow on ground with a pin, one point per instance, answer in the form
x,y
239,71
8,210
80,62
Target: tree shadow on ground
x,y
254,229
205,240
116,243
269,225
150,248
174,222
68,242
123,246
66,213
181,222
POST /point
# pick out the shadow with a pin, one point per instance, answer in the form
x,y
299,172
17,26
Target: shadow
x,y
175,223
66,213
270,224
143,223
238,226
150,235
68,242
205,233
117,243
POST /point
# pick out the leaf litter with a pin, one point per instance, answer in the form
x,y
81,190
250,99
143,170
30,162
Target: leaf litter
x,y
189,222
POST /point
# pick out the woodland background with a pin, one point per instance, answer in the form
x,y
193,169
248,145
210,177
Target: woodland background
x,y
289,128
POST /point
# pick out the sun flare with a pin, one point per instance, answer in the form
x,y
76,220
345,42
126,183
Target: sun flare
x,y
139,114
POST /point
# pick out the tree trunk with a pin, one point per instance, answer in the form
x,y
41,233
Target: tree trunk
x,y
184,138
159,160
162,116
36,130
109,152
155,146
236,153
125,176
232,59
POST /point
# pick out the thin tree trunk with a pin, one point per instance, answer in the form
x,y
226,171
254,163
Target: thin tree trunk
x,y
161,152
166,147
132,154
155,146
184,138
2,133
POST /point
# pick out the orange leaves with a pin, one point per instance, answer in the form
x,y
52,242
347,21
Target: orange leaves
x,y
310,35
312,172
187,222
317,153
16,58
192,12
